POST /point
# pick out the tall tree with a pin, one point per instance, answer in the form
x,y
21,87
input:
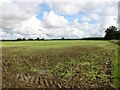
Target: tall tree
x,y
111,33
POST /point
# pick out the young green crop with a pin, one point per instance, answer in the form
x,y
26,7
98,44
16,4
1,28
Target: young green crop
x,y
74,63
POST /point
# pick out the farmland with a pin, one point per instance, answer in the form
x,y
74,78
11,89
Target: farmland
x,y
60,64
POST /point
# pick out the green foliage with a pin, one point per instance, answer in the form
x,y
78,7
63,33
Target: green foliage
x,y
116,72
112,33
65,70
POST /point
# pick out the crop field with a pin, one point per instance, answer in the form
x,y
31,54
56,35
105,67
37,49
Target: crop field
x,y
60,64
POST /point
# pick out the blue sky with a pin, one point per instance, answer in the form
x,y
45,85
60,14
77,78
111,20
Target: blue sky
x,y
42,8
44,19
45,8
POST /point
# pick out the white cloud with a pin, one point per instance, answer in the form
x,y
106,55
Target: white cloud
x,y
109,21
19,19
95,16
13,13
71,8
85,19
31,27
66,8
94,6
1,34
52,20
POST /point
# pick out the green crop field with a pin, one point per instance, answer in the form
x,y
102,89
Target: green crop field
x,y
62,64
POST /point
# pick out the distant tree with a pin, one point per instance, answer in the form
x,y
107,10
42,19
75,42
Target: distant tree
x,y
38,39
62,38
18,39
23,39
42,39
30,39
112,33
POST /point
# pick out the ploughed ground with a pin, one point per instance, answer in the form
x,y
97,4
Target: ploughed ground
x,y
73,67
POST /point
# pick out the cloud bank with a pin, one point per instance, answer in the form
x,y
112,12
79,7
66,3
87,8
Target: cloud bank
x,y
50,19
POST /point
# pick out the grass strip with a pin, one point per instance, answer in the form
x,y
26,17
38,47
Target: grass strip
x,y
116,73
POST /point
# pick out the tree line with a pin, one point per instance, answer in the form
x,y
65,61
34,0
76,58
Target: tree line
x,y
24,39
112,33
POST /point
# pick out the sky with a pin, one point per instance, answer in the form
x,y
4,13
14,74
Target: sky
x,y
51,19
